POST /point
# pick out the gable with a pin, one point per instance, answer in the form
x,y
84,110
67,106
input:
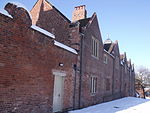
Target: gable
x,y
46,16
116,49
93,27
44,5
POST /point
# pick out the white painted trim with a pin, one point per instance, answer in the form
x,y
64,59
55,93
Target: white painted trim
x,y
61,45
58,72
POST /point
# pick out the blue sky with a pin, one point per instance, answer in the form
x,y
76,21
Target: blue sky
x,y
127,21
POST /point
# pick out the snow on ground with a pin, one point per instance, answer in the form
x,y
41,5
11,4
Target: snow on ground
x,y
147,97
124,105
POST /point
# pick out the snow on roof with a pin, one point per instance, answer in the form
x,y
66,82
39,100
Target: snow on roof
x,y
124,105
42,31
18,5
65,47
4,12
21,5
108,41
121,62
109,53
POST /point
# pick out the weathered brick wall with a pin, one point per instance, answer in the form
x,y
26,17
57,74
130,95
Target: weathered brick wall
x,y
27,58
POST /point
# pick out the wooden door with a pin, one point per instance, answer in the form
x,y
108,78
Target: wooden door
x,y
58,93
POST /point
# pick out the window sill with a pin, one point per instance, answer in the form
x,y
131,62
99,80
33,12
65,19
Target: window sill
x,y
93,94
95,57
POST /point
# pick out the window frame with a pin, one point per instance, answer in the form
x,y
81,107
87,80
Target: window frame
x,y
95,47
93,85
105,59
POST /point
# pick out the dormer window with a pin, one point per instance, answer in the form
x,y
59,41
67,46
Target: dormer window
x,y
95,47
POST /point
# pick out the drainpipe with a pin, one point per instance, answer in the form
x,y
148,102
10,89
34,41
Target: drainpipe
x,y
113,77
75,79
81,67
120,78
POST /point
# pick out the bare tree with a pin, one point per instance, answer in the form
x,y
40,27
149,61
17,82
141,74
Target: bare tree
x,y
143,78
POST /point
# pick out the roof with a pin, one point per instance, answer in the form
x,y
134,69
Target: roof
x,y
121,56
84,22
63,46
107,44
108,41
43,31
62,14
55,9
4,12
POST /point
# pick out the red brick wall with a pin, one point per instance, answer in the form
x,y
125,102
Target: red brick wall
x,y
27,58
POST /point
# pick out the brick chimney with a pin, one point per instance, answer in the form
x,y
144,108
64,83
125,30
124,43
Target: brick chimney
x,y
79,13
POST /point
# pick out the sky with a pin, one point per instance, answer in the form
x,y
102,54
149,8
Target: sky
x,y
127,21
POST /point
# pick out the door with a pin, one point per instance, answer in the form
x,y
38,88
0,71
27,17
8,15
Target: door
x,y
58,93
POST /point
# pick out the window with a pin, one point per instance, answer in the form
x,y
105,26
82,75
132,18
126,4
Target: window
x,y
95,47
105,59
93,88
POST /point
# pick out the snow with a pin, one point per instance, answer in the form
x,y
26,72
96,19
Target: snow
x,y
65,47
147,97
122,62
42,31
21,5
55,42
109,53
108,41
4,12
146,89
124,105
18,5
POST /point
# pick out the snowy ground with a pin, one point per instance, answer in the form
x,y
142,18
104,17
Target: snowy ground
x,y
124,105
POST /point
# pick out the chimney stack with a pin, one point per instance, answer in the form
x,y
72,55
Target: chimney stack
x,y
79,13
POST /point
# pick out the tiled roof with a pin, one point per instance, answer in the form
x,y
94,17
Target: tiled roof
x,y
84,22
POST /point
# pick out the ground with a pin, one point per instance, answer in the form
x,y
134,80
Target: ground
x,y
124,105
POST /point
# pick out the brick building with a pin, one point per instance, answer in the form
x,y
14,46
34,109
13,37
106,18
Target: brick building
x,y
42,72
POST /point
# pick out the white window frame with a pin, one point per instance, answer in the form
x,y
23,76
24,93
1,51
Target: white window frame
x,y
105,59
95,47
93,84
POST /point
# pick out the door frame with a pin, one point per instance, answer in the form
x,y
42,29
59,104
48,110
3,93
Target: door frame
x,y
61,74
